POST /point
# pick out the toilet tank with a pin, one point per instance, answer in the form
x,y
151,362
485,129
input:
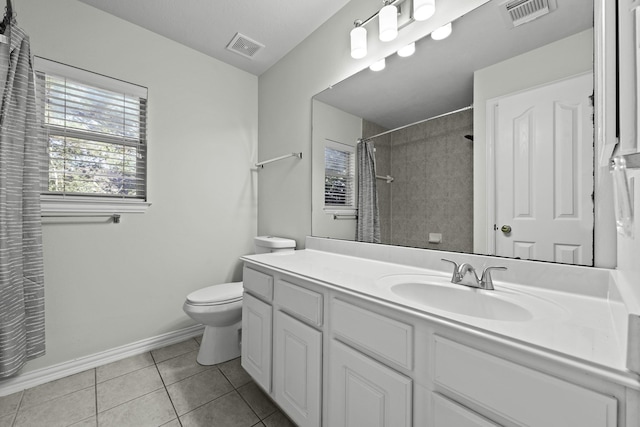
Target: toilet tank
x,y
266,244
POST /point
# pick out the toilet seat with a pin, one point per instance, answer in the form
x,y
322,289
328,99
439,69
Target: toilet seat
x,y
217,294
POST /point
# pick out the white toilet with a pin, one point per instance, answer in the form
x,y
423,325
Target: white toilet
x,y
219,309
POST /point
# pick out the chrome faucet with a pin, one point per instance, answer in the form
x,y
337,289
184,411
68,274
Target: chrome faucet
x,y
465,274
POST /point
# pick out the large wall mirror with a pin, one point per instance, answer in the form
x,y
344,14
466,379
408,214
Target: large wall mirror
x,y
484,141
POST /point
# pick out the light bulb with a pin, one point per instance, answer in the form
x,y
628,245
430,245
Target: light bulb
x,y
423,9
358,42
442,32
378,65
388,22
408,50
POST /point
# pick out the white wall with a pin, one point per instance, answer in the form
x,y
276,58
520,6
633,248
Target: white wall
x,y
108,285
567,57
285,91
330,123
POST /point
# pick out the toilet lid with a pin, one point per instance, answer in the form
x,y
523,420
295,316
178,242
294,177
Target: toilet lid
x,y
217,294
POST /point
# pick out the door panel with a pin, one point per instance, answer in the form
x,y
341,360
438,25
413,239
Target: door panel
x,y
544,172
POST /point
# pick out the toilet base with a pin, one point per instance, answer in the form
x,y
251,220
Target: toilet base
x,y
219,344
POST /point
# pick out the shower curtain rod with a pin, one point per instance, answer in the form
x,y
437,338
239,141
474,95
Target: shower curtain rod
x,y
416,123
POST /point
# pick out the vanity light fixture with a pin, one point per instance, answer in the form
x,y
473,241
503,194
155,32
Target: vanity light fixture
x,y
378,65
442,32
423,9
408,50
388,22
358,41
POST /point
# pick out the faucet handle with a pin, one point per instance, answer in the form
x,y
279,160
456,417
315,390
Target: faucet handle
x,y
486,282
456,271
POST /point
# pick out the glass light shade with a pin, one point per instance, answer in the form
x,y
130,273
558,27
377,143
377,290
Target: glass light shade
x,y
378,65
408,50
388,21
442,32
358,42
423,9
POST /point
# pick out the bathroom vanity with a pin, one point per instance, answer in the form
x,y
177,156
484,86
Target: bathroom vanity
x,y
351,334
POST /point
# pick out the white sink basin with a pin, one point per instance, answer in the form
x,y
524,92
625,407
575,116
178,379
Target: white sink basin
x,y
463,300
436,292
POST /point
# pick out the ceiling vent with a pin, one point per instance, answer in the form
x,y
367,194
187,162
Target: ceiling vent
x,y
518,12
243,45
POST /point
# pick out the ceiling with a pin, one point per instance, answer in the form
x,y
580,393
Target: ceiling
x,y
438,78
209,25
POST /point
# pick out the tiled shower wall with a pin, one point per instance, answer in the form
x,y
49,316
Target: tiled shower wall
x,y
432,191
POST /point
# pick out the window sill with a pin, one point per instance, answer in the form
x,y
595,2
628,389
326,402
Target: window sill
x,y
340,211
61,205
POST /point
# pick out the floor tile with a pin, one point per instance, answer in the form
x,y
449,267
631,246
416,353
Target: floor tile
x,y
124,366
127,387
234,372
9,404
278,420
181,367
197,390
151,410
89,422
169,352
172,423
55,389
198,339
63,411
7,420
227,411
257,399
258,425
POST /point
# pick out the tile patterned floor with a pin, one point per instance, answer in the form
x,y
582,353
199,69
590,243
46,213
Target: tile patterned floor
x,y
165,387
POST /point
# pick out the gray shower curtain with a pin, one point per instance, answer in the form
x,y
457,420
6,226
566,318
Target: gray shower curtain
x,y
368,224
21,265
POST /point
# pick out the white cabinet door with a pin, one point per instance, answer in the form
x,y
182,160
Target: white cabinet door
x,y
365,392
447,413
256,340
297,369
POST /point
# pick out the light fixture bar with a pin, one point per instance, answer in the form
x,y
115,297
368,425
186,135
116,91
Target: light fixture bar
x,y
372,17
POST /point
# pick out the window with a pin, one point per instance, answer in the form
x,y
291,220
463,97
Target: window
x,y
339,176
96,131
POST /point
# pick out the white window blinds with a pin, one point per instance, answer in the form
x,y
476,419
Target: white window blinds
x,y
339,176
96,129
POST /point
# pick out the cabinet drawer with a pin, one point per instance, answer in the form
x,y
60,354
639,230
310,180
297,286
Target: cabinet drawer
x,y
300,302
258,283
381,335
519,394
447,413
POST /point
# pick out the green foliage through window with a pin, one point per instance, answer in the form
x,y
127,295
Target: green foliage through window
x,y
97,139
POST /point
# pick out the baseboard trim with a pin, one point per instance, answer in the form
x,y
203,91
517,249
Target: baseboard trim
x,y
61,370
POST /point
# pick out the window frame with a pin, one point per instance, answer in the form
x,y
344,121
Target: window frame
x,y
70,203
350,209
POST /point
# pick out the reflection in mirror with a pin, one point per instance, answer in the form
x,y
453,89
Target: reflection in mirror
x,y
512,175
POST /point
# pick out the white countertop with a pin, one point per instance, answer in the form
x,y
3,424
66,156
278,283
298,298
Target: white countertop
x,y
584,328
